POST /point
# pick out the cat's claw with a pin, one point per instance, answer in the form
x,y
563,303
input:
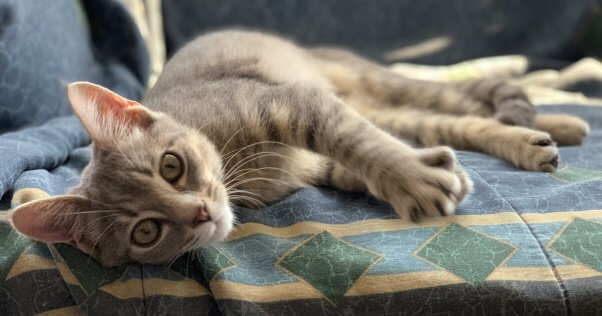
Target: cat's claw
x,y
429,185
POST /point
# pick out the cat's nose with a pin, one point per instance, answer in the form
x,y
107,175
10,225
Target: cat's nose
x,y
202,216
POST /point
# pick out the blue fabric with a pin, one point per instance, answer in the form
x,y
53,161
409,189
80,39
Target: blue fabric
x,y
44,46
529,191
28,155
50,157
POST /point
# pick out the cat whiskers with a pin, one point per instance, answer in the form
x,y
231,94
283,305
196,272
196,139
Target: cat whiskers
x,y
125,157
238,194
99,237
235,152
172,261
113,214
231,184
230,139
251,158
200,129
95,220
246,193
258,143
96,211
259,179
255,201
180,252
249,191
258,169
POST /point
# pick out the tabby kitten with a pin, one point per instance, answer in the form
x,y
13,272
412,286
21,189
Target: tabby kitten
x,y
245,118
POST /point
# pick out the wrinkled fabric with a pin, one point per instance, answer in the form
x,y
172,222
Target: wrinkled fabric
x,y
523,242
44,47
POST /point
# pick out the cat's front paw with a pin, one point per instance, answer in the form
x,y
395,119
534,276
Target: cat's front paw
x,y
429,184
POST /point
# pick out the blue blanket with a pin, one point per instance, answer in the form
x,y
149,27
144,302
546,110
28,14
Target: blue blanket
x,y
523,242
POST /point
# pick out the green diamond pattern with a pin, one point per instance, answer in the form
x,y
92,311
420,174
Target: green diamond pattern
x,y
90,274
329,264
573,174
581,241
12,244
466,253
213,262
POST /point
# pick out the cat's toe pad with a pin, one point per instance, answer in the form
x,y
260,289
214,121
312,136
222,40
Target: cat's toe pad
x,y
539,154
438,157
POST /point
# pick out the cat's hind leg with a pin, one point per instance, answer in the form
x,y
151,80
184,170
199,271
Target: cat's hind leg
x,y
512,107
357,80
353,75
566,130
524,147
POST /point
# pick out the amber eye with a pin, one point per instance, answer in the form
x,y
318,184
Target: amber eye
x,y
171,167
146,232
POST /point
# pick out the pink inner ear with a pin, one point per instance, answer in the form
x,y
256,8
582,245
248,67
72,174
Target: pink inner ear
x,y
46,220
110,105
128,111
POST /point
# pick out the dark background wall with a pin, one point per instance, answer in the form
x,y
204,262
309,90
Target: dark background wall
x,y
558,30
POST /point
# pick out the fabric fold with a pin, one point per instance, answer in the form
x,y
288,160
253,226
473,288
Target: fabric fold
x,y
44,147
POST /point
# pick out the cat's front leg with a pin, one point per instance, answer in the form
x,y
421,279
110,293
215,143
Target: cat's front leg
x,y
417,183
429,183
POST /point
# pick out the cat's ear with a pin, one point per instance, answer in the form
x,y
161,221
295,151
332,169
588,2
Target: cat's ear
x,y
106,115
53,220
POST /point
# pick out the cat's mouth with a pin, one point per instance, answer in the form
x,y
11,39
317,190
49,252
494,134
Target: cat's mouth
x,y
216,229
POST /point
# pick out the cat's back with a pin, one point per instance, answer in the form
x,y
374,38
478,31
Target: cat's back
x,y
228,55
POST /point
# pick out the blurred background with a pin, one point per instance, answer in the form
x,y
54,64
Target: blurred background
x,y
552,47
431,32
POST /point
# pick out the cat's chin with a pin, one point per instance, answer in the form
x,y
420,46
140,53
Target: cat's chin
x,y
224,224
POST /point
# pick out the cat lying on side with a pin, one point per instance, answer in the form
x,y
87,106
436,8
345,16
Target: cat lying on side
x,y
245,118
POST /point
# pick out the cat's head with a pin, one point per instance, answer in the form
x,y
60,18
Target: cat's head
x,y
152,190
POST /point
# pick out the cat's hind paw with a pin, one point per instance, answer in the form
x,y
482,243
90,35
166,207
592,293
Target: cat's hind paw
x,y
536,151
566,130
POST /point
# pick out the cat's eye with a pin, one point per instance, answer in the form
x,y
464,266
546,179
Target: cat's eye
x,y
171,167
146,232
